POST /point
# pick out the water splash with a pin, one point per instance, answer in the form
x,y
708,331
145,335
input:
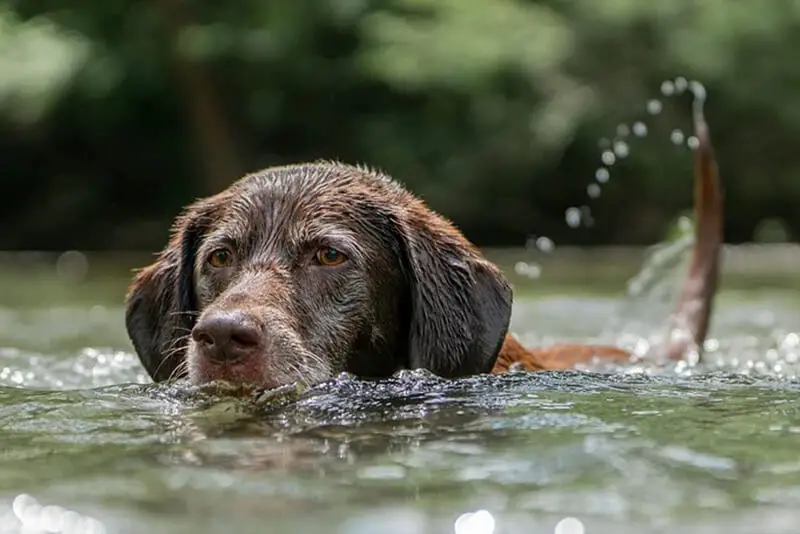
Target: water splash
x,y
617,148
573,217
657,279
538,244
650,293
654,106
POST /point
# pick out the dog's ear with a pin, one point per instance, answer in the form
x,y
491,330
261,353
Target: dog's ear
x,y
460,302
161,304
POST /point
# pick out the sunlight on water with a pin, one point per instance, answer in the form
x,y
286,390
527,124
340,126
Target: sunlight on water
x,y
545,452
411,454
25,515
89,367
480,522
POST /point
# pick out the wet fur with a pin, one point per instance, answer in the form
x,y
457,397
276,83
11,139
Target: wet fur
x,y
415,293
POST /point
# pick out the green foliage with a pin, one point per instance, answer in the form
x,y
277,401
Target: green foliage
x,y
36,59
114,114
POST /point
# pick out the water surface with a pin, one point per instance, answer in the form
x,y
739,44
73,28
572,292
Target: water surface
x,y
708,449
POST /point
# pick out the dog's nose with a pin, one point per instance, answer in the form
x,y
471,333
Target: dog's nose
x,y
227,337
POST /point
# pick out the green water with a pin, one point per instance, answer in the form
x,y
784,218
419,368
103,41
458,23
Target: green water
x,y
710,449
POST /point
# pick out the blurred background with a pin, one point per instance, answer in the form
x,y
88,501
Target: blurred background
x,y
519,119
543,124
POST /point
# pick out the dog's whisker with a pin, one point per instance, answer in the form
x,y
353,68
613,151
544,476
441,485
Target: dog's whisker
x,y
188,313
179,370
182,329
175,348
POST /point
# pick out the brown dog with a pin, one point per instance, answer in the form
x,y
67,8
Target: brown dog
x,y
300,272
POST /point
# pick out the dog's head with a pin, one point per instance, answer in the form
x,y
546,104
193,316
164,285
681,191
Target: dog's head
x,y
298,273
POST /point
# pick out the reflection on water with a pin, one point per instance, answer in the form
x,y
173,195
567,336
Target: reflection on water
x,y
636,449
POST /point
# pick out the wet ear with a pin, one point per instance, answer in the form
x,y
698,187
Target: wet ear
x,y
460,302
161,304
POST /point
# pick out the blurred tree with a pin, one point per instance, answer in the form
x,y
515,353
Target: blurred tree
x,y
115,114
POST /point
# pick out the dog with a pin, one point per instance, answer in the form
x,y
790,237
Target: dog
x,y
297,273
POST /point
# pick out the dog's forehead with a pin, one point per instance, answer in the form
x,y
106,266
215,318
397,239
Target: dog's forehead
x,y
304,201
315,180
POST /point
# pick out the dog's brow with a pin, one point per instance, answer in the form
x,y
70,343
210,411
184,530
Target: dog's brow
x,y
340,236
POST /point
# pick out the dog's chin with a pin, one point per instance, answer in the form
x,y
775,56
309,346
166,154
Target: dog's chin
x,y
204,373
250,372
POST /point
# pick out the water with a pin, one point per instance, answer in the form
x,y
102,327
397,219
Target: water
x,y
638,449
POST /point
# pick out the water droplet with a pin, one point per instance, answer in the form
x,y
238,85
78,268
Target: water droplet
x,y
698,90
667,88
569,525
623,130
791,340
586,216
545,244
602,175
21,502
654,106
530,242
608,158
582,215
604,143
676,137
593,190
573,216
480,522
693,142
639,129
621,149
52,518
681,84
529,270
685,224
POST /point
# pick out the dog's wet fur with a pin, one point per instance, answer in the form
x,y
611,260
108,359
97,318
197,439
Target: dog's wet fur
x,y
300,272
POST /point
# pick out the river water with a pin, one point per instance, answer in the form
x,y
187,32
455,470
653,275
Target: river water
x,y
87,442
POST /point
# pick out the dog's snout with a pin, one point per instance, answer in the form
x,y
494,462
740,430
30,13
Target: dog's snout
x,y
226,337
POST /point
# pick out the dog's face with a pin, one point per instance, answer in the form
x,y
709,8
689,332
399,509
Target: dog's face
x,y
298,273
296,278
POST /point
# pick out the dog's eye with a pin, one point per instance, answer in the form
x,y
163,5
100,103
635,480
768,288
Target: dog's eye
x,y
330,257
220,258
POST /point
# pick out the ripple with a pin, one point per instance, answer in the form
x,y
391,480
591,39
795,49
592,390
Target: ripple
x,y
90,367
620,448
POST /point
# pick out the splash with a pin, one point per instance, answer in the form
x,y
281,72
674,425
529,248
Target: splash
x,y
613,151
616,149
